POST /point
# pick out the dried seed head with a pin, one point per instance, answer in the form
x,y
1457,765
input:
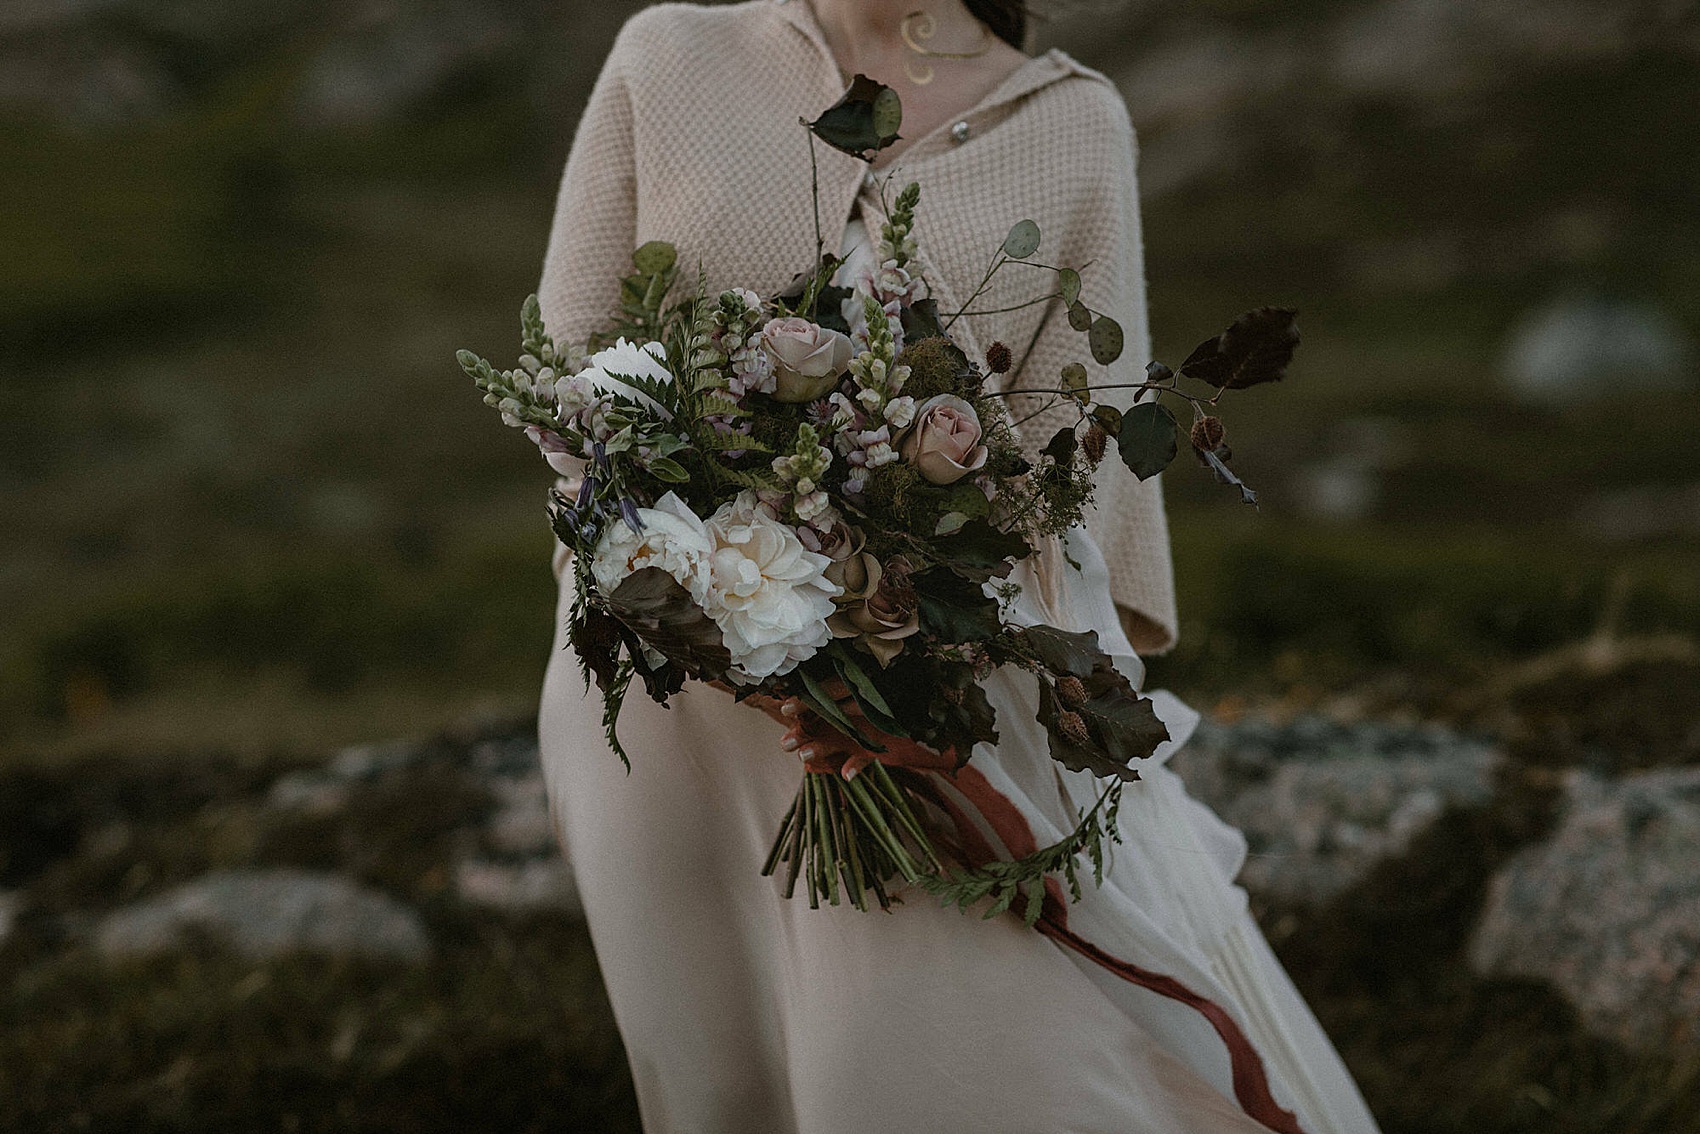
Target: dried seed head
x,y
1071,691
999,359
1207,433
1095,442
1072,725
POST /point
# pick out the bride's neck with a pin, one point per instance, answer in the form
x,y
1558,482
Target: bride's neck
x,y
871,27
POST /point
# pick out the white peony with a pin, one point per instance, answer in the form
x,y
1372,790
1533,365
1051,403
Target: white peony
x,y
673,538
627,360
767,592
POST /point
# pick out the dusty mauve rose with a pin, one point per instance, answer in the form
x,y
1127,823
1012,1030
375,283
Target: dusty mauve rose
x,y
807,360
859,575
840,541
889,614
852,569
944,443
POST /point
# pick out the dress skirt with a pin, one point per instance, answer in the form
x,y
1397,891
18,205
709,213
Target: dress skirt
x,y
1155,1005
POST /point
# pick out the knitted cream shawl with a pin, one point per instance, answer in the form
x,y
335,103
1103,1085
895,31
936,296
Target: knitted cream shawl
x,y
691,136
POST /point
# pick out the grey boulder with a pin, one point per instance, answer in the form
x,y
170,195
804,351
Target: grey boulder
x,y
1607,910
1321,803
266,914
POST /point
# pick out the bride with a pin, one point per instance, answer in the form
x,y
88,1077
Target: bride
x,y
1154,1004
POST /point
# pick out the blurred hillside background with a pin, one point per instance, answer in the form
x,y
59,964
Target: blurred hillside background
x,y
253,514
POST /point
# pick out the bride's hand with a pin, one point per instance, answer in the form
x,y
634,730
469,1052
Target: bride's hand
x,y
824,748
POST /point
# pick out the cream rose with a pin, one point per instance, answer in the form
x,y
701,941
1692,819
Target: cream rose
x,y
807,359
766,591
944,443
673,538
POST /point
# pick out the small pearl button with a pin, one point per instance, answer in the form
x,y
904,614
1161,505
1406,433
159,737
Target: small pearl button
x,y
959,132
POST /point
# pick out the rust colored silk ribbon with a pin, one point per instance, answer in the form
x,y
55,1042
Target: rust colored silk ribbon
x,y
1251,1082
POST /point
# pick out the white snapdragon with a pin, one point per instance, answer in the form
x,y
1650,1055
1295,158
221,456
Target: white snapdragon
x,y
899,412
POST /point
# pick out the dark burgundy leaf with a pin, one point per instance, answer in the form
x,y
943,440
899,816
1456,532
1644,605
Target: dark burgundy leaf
x,y
661,612
1061,446
596,637
863,122
1255,349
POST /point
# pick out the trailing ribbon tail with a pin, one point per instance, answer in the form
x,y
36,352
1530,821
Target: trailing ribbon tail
x,y
1251,1081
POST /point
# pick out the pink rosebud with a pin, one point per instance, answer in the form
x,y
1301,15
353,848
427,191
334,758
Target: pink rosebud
x,y
944,443
807,359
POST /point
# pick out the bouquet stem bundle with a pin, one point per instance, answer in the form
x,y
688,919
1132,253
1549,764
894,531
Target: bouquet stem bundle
x,y
859,831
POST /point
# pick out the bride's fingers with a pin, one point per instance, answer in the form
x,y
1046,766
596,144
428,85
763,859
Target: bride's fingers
x,y
854,764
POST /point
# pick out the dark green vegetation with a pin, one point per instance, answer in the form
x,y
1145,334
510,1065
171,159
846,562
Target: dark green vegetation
x,y
252,511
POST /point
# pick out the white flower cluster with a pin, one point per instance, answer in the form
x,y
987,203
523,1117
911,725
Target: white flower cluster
x,y
748,571
801,471
863,424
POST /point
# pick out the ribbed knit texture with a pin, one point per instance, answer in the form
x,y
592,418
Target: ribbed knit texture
x,y
691,135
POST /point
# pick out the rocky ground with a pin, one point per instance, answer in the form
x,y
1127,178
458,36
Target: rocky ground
x,y
1499,937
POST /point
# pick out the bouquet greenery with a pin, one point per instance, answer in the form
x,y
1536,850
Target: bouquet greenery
x,y
818,498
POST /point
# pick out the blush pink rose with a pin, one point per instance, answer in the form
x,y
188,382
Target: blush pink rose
x,y
944,443
807,360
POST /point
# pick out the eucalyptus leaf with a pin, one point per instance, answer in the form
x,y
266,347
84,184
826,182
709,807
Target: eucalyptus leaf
x,y
669,470
1022,241
822,702
655,257
857,678
965,498
1105,339
1147,439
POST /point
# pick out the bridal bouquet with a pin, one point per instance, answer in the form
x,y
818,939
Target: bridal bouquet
x,y
818,495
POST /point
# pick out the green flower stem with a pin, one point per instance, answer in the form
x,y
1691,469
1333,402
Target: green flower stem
x,y
811,846
794,850
855,878
870,805
900,808
780,843
825,819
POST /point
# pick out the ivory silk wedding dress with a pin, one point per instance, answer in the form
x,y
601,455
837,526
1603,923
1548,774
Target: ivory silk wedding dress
x,y
1153,1005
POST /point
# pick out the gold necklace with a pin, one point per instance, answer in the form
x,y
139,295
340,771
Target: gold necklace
x,y
920,25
